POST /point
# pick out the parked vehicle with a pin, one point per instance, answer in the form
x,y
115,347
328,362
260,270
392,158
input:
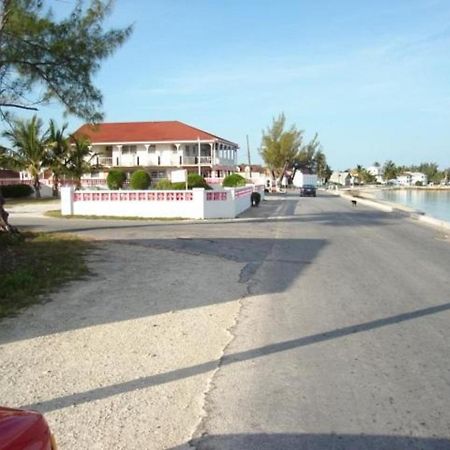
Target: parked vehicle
x,y
302,179
21,429
308,190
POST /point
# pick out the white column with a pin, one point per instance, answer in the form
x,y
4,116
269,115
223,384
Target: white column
x,y
119,148
179,153
67,201
213,160
199,155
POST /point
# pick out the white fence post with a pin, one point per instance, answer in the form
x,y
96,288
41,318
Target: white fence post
x,y
199,202
67,201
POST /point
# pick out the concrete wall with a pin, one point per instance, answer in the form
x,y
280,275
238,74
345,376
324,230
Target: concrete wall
x,y
194,204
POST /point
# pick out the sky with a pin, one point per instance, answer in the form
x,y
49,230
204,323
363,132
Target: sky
x,y
371,78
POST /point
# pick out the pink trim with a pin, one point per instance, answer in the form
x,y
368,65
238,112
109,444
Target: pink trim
x,y
171,196
216,196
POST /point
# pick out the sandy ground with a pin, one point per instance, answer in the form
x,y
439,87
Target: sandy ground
x,y
126,355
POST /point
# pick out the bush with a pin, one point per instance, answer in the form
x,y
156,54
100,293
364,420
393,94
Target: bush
x,y
16,190
196,181
234,180
140,180
115,179
163,185
419,183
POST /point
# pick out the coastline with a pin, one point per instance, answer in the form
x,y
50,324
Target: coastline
x,y
366,197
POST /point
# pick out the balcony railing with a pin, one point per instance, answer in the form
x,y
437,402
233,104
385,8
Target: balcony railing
x,y
193,160
103,160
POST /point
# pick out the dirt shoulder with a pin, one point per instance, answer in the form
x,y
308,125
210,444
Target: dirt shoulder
x,y
125,356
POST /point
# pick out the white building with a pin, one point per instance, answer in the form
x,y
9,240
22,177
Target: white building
x,y
158,147
341,178
411,178
377,172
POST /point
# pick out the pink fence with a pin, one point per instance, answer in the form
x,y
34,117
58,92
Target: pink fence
x,y
129,196
216,196
9,181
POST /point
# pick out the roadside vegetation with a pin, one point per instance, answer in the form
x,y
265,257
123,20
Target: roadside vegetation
x,y
32,265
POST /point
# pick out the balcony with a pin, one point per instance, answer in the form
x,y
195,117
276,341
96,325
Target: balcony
x,y
194,160
102,160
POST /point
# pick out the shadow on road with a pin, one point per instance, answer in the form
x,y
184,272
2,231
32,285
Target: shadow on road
x,y
142,282
153,380
309,441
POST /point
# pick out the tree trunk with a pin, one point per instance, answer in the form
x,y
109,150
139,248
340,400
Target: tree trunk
x,y
4,225
55,187
37,187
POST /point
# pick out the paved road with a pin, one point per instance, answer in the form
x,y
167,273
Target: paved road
x,y
341,340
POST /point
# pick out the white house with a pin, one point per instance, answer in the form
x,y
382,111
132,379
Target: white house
x,y
158,147
255,173
377,172
411,178
341,178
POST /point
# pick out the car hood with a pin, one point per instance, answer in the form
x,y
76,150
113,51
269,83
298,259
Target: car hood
x,y
18,428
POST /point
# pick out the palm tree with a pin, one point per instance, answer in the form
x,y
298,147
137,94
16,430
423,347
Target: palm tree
x,y
28,148
57,154
78,162
390,170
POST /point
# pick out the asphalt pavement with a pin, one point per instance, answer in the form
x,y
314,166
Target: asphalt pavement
x,y
341,338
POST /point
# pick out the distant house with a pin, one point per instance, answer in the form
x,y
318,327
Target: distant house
x,y
159,148
376,172
256,173
341,178
412,178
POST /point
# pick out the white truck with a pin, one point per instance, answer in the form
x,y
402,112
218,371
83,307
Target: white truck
x,y
301,179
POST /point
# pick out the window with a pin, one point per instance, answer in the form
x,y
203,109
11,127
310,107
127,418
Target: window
x,y
128,149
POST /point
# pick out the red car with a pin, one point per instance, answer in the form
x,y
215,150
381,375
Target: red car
x,y
24,430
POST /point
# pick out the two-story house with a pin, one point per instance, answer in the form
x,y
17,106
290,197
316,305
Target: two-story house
x,y
159,148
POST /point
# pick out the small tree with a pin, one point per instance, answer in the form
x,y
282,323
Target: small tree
x,y
280,147
57,154
78,162
140,180
28,148
233,180
115,179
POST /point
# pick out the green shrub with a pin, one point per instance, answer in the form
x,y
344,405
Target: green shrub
x,y
194,181
140,180
197,181
163,185
16,190
178,186
233,180
115,179
419,183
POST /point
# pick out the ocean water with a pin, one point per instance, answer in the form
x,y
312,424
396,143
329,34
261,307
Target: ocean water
x,y
434,203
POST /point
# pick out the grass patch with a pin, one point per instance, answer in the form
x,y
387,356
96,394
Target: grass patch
x,y
37,263
28,200
57,213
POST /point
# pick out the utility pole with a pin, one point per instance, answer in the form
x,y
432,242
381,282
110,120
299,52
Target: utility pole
x,y
249,160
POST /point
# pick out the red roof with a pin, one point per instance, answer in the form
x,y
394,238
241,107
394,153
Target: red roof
x,y
144,132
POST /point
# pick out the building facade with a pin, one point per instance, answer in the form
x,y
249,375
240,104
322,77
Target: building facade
x,y
159,148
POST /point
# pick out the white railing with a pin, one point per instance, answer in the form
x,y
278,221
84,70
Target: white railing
x,y
103,160
193,160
